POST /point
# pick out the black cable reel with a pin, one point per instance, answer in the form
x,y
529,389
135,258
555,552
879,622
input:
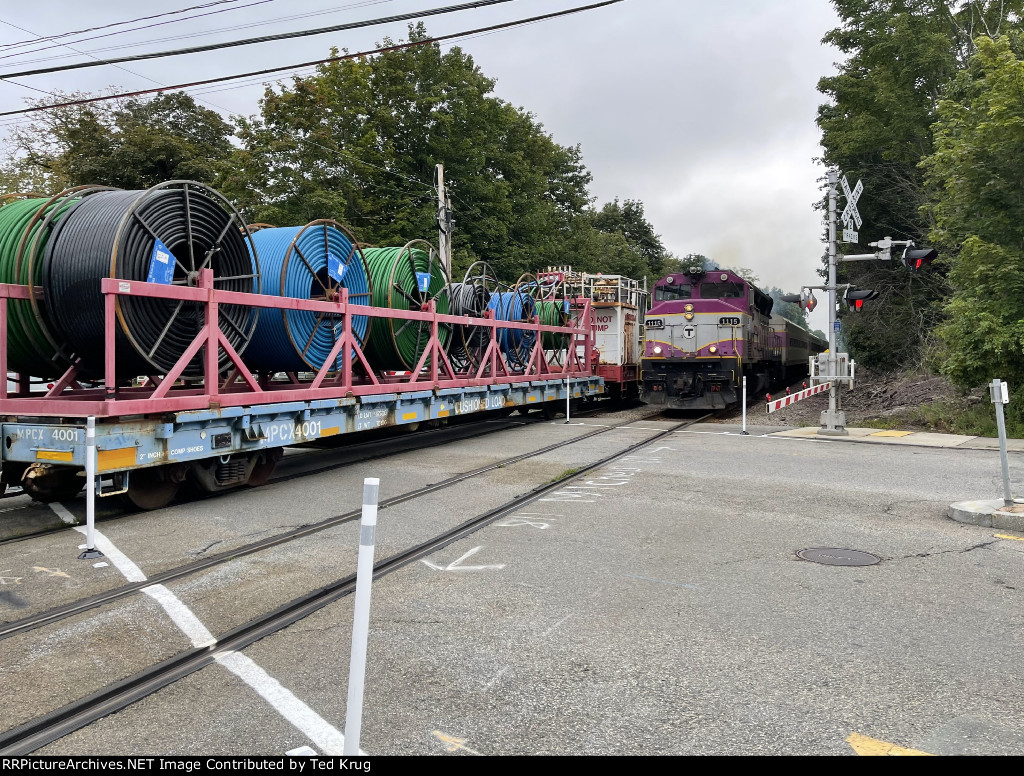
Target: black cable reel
x,y
166,234
471,298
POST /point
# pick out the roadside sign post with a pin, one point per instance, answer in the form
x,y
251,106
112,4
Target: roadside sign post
x,y
833,420
361,618
1000,396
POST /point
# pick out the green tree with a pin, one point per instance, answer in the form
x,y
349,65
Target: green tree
x,y
359,141
675,264
628,219
876,127
129,144
978,211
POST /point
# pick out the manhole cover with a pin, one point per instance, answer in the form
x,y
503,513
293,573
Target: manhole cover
x,y
831,556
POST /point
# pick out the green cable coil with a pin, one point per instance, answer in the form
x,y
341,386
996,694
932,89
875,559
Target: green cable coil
x,y
553,314
25,225
395,343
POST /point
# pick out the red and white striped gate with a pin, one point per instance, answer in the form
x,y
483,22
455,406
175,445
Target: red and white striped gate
x,y
778,404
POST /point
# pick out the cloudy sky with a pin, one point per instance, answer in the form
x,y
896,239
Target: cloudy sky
x,y
704,111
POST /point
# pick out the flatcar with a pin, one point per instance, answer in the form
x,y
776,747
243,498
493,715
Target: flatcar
x,y
707,330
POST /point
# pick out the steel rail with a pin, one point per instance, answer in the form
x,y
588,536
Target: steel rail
x,y
44,730
59,613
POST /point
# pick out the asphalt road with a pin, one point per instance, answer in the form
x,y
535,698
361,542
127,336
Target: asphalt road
x,y
655,607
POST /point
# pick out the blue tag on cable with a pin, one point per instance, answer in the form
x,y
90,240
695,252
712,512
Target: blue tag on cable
x,y
334,267
161,265
423,281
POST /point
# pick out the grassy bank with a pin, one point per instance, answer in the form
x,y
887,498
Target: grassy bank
x,y
966,415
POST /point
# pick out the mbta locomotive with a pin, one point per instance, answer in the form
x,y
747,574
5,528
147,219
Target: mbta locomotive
x,y
707,330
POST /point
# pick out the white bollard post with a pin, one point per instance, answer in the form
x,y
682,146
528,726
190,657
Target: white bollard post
x,y
90,492
745,406
361,620
567,392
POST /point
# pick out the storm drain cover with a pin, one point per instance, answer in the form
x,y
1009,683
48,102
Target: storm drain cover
x,y
831,556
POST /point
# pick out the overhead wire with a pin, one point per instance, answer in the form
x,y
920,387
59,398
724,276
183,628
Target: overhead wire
x,y
326,60
107,26
263,39
186,36
455,37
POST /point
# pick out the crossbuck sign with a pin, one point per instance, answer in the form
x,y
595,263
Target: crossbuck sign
x,y
851,212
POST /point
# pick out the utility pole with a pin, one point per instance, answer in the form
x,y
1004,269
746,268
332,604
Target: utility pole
x,y
833,420
444,223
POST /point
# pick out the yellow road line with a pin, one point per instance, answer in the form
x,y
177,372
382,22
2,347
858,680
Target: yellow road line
x,y
872,747
1011,538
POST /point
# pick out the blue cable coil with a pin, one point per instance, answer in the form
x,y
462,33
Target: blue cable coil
x,y
302,340
516,344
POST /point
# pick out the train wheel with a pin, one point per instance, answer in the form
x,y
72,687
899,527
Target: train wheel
x,y
549,410
151,488
265,467
47,483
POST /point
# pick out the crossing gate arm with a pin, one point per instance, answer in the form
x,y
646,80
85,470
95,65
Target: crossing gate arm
x,y
785,401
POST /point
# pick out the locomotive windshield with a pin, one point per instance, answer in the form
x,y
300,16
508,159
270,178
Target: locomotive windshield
x,y
722,291
673,292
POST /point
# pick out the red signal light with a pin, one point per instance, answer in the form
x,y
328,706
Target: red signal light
x,y
858,304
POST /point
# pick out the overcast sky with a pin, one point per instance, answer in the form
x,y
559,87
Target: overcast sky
x,y
704,111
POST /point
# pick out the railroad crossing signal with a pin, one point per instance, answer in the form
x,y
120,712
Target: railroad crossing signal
x,y
805,299
914,259
855,299
851,212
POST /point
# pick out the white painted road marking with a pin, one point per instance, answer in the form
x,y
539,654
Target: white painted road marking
x,y
63,514
121,561
307,721
454,565
320,732
182,616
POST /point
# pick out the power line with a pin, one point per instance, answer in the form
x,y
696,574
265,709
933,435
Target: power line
x,y
264,39
339,58
113,24
185,36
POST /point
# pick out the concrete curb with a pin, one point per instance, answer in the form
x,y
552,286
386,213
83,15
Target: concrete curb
x,y
988,514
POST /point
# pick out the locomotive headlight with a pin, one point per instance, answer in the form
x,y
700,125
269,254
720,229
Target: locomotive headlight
x,y
713,349
657,350
688,316
689,308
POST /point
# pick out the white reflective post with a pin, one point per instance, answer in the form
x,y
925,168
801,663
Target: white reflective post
x,y
745,406
1000,392
90,492
361,619
567,400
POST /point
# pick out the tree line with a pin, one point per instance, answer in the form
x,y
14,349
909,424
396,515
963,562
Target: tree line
x,y
928,110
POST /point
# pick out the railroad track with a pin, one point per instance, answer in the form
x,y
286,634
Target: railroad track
x,y
354,454
59,613
37,733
